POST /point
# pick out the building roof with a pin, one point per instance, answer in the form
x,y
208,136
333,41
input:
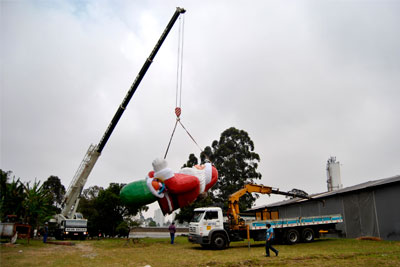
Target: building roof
x,y
362,186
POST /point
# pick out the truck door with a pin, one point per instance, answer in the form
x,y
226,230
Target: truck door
x,y
213,222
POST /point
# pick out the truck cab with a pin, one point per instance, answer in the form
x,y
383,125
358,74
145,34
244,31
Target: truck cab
x,y
207,228
75,228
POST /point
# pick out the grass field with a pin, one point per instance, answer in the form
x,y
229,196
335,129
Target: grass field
x,y
158,252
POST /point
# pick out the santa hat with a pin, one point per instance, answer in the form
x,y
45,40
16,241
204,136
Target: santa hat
x,y
160,169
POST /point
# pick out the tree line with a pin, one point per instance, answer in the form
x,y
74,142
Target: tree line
x,y
233,155
28,203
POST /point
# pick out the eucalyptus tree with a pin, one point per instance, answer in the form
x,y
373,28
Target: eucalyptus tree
x,y
234,157
56,189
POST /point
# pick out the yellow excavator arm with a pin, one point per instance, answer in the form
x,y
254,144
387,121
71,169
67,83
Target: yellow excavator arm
x,y
233,202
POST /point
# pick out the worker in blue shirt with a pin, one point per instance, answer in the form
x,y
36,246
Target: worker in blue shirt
x,y
45,232
269,236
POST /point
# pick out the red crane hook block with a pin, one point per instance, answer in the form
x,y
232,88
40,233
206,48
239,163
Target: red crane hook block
x,y
178,112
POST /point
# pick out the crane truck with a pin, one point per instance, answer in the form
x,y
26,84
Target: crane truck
x,y
210,228
70,223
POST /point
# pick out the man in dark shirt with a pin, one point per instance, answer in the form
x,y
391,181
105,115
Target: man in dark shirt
x,y
46,232
172,230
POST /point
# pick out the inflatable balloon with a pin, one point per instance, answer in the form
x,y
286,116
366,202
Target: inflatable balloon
x,y
137,194
172,190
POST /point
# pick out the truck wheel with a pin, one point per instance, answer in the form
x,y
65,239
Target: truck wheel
x,y
307,235
219,241
59,236
292,236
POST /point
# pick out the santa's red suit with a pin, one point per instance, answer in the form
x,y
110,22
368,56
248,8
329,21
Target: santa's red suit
x,y
177,190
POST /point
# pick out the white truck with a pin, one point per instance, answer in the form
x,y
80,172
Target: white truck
x,y
210,228
69,223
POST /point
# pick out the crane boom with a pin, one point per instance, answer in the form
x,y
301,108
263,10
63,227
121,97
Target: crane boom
x,y
137,81
71,198
74,190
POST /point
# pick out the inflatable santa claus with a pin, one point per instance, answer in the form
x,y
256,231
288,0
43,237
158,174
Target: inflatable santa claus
x,y
172,190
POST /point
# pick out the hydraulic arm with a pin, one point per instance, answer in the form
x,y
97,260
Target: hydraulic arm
x,y
233,202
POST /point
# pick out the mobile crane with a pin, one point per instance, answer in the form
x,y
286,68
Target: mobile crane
x,y
210,228
69,222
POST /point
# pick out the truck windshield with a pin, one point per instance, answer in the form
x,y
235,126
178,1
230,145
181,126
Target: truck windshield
x,y
197,216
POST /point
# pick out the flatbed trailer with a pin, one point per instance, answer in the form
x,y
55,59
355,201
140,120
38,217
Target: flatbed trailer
x,y
294,230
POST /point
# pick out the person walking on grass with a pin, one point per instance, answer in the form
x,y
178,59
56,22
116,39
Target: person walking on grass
x,y
45,232
269,236
172,230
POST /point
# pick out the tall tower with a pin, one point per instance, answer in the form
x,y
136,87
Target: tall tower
x,y
333,174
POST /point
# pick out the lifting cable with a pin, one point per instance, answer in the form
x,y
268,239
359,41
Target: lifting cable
x,y
178,96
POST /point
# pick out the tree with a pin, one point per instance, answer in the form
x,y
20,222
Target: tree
x,y
191,162
37,204
109,208
3,183
31,204
234,157
87,206
12,196
104,210
92,192
123,229
56,189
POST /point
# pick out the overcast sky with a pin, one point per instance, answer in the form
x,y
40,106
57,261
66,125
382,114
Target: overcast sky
x,y
306,79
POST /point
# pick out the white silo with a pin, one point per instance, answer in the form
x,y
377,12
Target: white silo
x,y
333,174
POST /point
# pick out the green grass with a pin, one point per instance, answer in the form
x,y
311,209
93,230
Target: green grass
x,y
158,252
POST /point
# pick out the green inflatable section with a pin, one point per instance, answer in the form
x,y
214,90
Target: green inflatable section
x,y
136,194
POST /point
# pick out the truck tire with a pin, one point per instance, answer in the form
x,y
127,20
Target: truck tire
x,y
292,236
219,241
59,235
307,235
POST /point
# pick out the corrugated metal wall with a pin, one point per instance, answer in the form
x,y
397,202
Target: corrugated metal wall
x,y
387,202
373,211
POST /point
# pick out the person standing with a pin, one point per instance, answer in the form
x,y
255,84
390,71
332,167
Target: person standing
x,y
46,232
269,236
172,230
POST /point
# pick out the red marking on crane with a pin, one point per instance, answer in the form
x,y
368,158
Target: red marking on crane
x,y
178,111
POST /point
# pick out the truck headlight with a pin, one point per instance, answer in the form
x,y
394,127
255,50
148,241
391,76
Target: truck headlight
x,y
66,233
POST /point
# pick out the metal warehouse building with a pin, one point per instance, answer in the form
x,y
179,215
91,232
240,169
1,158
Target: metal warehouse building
x,y
368,209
